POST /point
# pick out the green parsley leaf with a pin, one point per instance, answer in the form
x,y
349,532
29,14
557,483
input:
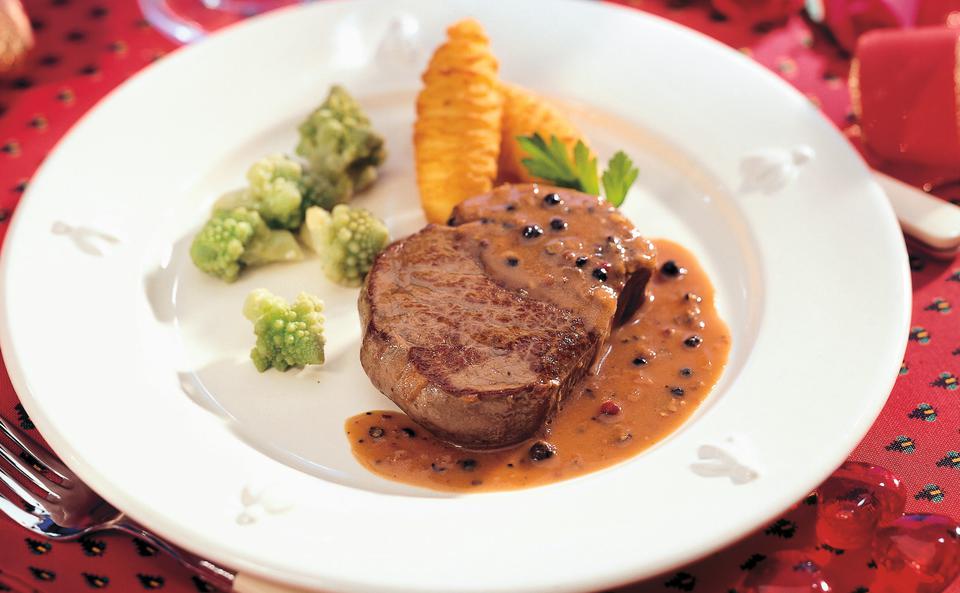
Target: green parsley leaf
x,y
619,176
586,169
551,162
544,164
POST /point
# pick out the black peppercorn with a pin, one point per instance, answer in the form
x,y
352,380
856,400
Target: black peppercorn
x,y
693,341
677,391
686,372
511,207
513,262
552,199
582,261
558,224
600,274
468,465
639,361
532,231
670,269
409,432
375,432
437,468
542,450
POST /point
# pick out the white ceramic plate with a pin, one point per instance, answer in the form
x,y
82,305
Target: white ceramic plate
x,y
133,364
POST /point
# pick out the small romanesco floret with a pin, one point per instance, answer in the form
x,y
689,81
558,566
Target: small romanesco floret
x,y
327,191
236,238
347,240
288,335
276,191
276,182
342,148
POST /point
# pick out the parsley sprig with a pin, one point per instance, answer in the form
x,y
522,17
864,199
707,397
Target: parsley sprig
x,y
551,162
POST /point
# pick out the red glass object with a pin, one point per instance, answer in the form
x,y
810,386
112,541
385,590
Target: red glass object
x,y
786,571
918,553
854,501
186,21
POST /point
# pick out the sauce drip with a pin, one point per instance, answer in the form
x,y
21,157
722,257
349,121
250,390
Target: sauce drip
x,y
650,375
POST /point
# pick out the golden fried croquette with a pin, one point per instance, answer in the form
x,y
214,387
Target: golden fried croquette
x,y
524,113
457,133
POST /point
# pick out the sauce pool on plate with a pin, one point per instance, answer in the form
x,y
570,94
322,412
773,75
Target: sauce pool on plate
x,y
650,375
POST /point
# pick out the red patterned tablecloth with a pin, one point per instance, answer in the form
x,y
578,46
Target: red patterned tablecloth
x,y
87,47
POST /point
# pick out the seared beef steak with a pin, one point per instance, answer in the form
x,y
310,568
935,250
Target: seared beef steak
x,y
477,331
473,362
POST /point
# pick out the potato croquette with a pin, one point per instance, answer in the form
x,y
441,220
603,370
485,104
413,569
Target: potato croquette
x,y
459,111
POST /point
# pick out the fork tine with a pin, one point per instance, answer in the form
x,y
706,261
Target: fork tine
x,y
34,476
39,453
17,514
37,520
23,493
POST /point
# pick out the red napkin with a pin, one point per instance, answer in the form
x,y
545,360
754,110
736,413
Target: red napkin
x,y
905,86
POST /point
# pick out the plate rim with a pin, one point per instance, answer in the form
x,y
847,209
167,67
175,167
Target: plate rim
x,y
34,408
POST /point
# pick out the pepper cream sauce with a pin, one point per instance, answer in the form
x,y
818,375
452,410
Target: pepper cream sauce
x,y
650,375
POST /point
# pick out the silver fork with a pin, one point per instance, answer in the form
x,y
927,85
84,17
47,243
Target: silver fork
x,y
69,509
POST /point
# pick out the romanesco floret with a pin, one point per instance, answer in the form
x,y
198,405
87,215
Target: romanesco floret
x,y
347,240
236,238
288,335
276,191
339,142
327,191
276,182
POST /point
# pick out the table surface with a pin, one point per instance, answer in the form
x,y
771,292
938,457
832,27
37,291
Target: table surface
x,y
87,47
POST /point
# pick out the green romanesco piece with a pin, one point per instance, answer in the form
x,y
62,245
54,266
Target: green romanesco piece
x,y
288,335
276,245
326,191
220,244
347,240
338,141
276,191
235,238
276,183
